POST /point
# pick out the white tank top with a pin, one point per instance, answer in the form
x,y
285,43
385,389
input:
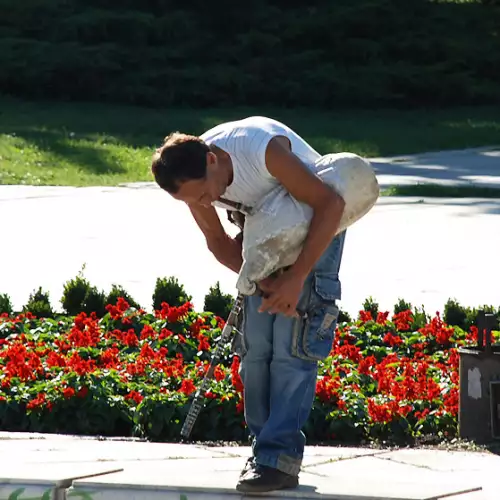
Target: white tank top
x,y
246,142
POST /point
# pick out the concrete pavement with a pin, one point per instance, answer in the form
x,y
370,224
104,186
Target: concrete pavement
x,y
479,167
61,467
422,250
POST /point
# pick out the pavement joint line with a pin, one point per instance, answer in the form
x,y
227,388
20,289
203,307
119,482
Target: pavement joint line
x,y
464,494
418,466
342,459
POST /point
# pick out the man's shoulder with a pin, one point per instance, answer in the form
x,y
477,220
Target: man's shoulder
x,y
243,126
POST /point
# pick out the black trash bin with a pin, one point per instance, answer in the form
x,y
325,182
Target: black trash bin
x,y
479,379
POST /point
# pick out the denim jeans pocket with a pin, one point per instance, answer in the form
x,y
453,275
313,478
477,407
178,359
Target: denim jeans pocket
x,y
315,331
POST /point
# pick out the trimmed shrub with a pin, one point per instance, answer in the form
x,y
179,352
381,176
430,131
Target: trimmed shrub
x,y
401,306
95,301
5,304
344,317
39,304
75,291
118,291
169,290
455,314
218,302
371,305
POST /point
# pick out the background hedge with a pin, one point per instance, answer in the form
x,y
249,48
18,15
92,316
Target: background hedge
x,y
290,53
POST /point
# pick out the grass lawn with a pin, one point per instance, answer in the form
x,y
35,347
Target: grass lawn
x,y
84,144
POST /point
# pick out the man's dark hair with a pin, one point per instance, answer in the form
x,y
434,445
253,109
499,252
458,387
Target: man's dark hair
x,y
181,158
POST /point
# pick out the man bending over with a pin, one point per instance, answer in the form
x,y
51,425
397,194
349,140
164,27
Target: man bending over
x,y
240,162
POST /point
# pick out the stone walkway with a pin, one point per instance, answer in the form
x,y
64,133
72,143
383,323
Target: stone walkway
x,y
478,167
91,469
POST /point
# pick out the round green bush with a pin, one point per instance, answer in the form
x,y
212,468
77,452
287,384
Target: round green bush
x,y
218,302
118,291
5,304
39,304
169,290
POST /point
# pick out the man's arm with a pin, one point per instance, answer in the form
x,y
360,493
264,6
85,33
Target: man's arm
x,y
302,184
328,207
224,248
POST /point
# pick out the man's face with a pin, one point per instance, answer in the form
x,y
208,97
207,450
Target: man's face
x,y
203,191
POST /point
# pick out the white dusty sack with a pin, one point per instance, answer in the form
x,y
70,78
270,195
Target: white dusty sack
x,y
275,230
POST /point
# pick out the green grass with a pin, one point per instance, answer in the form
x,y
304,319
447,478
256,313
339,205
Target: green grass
x,y
437,191
83,144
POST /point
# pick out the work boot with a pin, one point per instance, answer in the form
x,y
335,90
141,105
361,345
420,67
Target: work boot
x,y
261,479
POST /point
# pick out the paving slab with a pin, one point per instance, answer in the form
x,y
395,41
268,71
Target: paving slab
x,y
44,481
484,465
424,250
149,483
478,167
33,451
108,469
442,460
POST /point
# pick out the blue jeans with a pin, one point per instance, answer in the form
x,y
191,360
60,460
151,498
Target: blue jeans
x,y
279,363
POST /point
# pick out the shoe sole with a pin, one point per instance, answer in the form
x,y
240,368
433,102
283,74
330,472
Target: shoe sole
x,y
248,488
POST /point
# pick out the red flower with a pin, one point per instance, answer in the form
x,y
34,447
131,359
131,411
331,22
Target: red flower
x,y
68,392
197,326
134,396
81,366
365,316
235,376
165,333
116,312
83,392
146,352
385,412
203,345
187,387
122,305
110,359
38,402
130,338
421,415
173,314
382,318
349,352
392,340
365,364
219,374
326,388
147,332
403,320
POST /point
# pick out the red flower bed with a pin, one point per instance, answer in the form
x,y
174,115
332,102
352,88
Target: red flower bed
x,y
132,373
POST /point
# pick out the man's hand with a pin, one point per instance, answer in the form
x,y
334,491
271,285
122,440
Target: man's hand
x,y
282,293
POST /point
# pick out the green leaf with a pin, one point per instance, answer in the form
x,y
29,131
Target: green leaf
x,y
15,494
